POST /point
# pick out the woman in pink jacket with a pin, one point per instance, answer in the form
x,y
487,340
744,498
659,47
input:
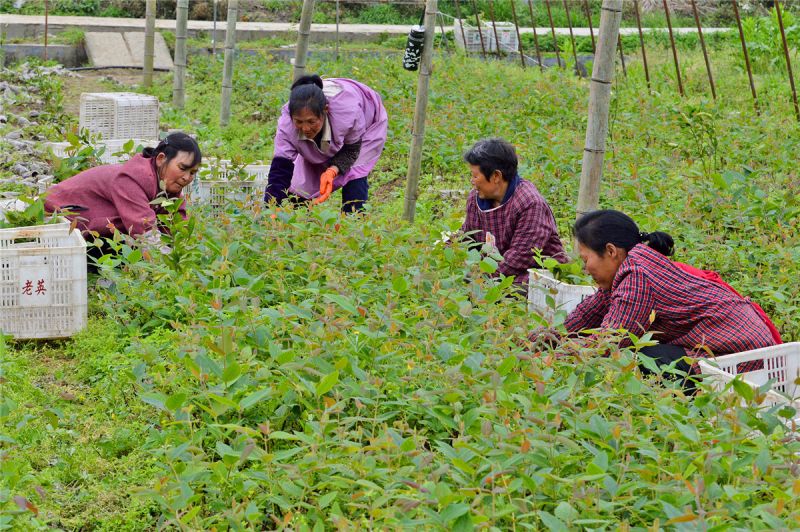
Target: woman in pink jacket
x,y
117,197
330,136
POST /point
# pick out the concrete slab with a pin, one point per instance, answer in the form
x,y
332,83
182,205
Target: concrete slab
x,y
135,42
107,49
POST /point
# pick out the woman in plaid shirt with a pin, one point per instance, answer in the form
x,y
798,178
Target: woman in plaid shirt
x,y
641,290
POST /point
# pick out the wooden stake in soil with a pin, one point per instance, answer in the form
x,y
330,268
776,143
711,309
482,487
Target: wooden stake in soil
x,y
674,50
179,73
230,57
480,30
535,37
788,60
553,31
641,41
599,98
420,109
588,11
622,56
746,55
46,24
705,52
149,42
302,39
494,28
571,37
516,28
461,25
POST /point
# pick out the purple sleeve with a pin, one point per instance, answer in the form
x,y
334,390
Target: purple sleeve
x,y
532,229
589,313
284,141
133,205
357,129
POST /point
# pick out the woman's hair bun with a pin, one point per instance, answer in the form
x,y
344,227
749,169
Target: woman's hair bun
x,y
313,79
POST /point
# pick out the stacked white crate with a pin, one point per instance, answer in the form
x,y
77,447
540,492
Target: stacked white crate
x,y
119,115
566,297
506,35
219,182
42,281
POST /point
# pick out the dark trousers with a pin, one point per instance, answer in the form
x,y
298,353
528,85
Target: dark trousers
x,y
354,194
665,355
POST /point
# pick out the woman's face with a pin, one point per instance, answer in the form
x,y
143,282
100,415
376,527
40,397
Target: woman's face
x,y
306,122
603,268
176,173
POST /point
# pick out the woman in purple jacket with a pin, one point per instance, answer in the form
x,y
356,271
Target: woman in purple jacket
x,y
117,197
330,136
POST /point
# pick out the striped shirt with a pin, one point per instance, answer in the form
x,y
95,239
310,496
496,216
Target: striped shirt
x,y
694,313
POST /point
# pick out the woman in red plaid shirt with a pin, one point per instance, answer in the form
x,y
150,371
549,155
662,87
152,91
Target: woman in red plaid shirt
x,y
641,290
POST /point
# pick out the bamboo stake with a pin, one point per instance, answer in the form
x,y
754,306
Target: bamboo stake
x,y
641,41
337,30
230,56
705,52
674,50
588,11
179,75
535,37
571,37
788,60
444,40
214,32
494,28
553,31
149,42
480,29
46,24
746,55
599,97
420,108
622,56
302,39
516,27
461,25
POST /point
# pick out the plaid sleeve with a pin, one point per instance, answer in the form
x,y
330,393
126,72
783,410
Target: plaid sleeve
x,y
532,229
589,313
632,302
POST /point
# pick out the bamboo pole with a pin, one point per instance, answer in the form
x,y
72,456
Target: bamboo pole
x,y
572,37
227,69
480,30
494,28
674,50
746,55
535,37
788,60
149,42
519,39
461,25
599,98
302,39
553,31
641,41
214,32
337,30
588,11
179,73
46,24
622,56
420,109
705,52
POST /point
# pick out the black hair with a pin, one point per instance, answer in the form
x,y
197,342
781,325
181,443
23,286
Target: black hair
x,y
174,143
493,154
595,229
307,94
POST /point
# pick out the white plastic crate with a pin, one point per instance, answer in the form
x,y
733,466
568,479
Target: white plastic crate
x,y
112,146
219,183
781,364
119,115
541,284
42,281
506,34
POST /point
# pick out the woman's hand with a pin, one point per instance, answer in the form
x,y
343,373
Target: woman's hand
x,y
326,184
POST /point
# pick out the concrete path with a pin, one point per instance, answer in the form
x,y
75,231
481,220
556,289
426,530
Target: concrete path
x,y
126,49
31,26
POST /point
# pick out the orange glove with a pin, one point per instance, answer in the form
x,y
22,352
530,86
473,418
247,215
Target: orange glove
x,y
326,184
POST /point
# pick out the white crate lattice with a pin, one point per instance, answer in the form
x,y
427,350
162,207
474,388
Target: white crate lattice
x,y
119,115
541,284
42,281
781,364
506,35
112,146
220,183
